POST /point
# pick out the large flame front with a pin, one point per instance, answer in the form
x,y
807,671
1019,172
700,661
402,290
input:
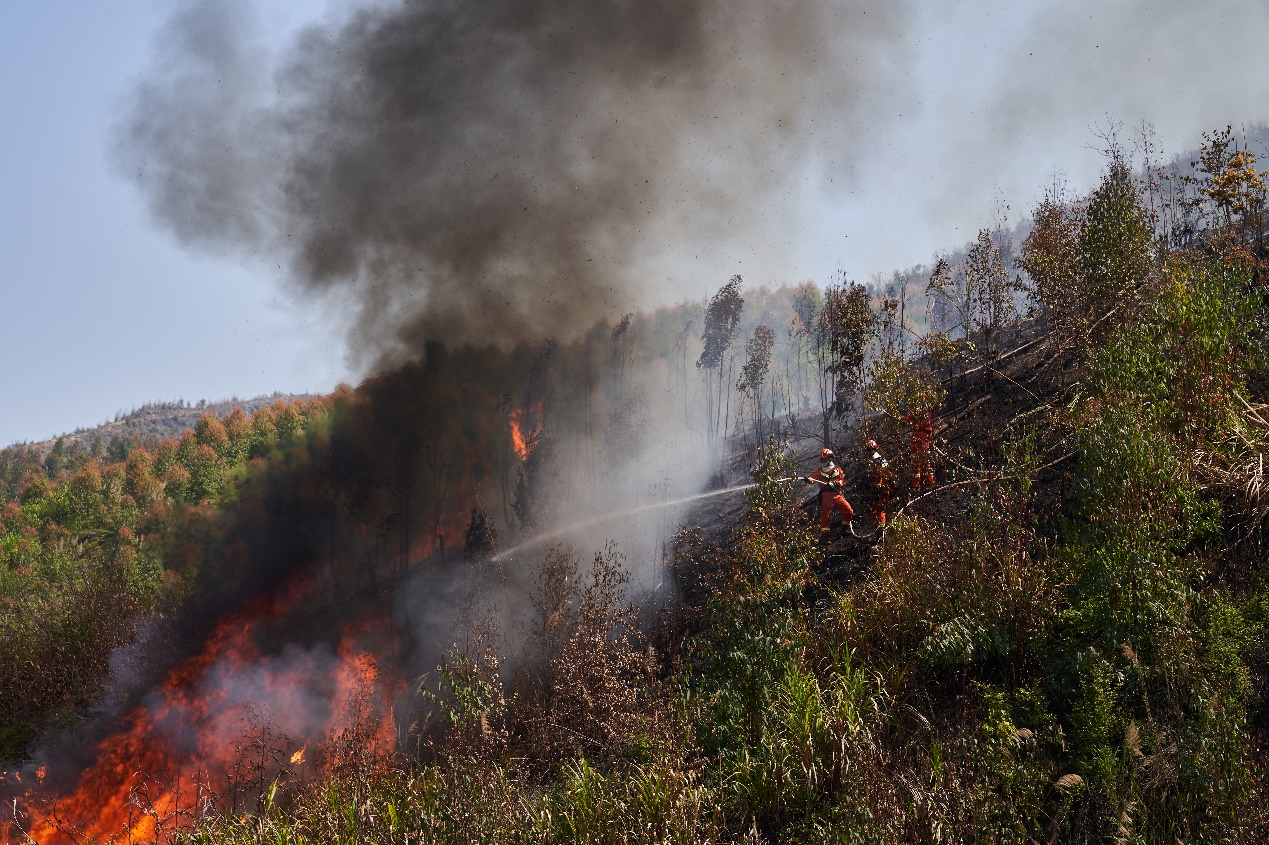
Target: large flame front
x,y
224,723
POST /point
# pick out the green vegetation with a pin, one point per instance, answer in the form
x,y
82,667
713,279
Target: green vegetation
x,y
1065,640
112,441
84,557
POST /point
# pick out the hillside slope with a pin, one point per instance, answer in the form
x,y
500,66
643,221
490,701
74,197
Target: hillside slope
x,y
1059,631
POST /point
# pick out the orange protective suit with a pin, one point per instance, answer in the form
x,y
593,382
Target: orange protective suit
x,y
922,441
831,498
883,483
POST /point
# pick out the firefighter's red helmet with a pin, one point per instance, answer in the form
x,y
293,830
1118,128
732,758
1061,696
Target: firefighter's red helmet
x,y
872,444
826,455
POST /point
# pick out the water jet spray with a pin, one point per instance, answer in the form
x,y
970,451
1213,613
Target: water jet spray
x,y
596,520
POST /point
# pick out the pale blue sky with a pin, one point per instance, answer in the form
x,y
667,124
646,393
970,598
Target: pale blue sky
x,y
104,311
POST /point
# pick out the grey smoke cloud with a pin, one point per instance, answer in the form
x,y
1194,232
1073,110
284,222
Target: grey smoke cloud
x,y
1173,63
498,170
1056,76
494,170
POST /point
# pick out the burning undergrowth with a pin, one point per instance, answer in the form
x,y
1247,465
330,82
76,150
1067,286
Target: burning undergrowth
x,y
483,174
327,580
225,724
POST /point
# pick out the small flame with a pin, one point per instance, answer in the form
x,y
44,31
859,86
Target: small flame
x,y
298,756
524,434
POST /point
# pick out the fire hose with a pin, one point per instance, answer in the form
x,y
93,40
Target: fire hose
x,y
850,524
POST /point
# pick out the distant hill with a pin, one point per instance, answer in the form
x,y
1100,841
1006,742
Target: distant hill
x,y
141,427
156,420
144,426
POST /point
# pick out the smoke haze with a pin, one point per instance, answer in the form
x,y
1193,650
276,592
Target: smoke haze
x,y
1024,92
493,171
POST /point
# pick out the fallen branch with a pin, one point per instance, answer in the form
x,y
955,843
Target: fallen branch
x,y
969,481
1004,357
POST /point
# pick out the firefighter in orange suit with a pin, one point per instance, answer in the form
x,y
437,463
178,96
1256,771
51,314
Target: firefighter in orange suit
x,y
883,484
831,480
922,426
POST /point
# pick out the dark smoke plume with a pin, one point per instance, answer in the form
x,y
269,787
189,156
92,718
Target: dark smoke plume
x,y
493,170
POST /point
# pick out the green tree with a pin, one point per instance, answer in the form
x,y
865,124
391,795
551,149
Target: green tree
x,y
754,373
1228,180
842,330
722,318
976,298
1051,257
1114,244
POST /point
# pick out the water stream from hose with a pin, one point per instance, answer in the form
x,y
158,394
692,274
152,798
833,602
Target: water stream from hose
x,y
604,517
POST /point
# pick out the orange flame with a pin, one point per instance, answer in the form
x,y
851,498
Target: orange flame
x,y
524,434
172,757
